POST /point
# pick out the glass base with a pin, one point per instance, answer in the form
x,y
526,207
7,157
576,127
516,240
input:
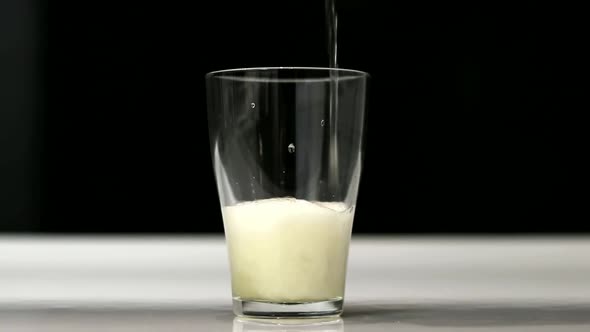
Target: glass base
x,y
261,309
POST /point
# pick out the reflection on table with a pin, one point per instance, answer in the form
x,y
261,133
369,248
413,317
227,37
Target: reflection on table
x,y
288,325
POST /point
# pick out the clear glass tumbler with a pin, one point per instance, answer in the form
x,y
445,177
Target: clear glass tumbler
x,y
287,146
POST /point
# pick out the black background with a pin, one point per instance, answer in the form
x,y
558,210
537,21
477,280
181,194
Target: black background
x,y
103,122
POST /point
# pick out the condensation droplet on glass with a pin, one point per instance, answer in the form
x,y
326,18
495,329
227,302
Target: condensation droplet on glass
x,y
323,123
252,105
291,148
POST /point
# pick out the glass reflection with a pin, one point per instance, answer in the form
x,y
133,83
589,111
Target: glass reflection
x,y
288,325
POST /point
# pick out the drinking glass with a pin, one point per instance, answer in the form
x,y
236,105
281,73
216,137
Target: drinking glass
x,y
287,147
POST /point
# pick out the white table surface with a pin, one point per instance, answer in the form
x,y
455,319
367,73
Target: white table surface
x,y
394,284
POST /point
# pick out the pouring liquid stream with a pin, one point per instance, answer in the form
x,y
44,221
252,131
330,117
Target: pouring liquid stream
x,y
332,40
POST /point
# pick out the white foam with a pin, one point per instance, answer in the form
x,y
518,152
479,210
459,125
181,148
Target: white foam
x,y
287,249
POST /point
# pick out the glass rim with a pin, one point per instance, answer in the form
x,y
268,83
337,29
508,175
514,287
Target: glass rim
x,y
342,73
